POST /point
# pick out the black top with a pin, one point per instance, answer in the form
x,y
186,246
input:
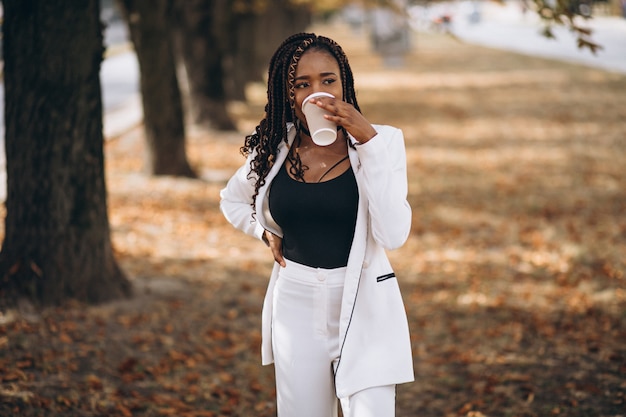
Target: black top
x,y
317,219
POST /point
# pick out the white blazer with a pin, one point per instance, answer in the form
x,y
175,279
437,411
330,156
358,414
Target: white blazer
x,y
375,347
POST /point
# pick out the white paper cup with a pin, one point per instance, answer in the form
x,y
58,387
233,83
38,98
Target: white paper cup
x,y
323,132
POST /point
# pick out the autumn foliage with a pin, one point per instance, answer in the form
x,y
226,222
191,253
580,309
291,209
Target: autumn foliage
x,y
514,276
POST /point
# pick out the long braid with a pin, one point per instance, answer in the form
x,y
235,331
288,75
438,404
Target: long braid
x,y
272,129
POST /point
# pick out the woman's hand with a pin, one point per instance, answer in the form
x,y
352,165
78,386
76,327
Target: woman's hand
x,y
345,115
276,246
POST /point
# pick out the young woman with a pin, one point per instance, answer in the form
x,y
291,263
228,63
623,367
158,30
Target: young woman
x,y
334,323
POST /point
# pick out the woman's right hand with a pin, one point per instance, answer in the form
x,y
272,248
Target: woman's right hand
x,y
276,246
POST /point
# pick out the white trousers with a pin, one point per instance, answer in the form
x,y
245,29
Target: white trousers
x,y
306,347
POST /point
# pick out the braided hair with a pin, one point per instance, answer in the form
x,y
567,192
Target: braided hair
x,y
272,129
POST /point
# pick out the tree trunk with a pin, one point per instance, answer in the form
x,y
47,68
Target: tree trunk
x,y
274,25
57,239
240,61
253,36
150,32
201,58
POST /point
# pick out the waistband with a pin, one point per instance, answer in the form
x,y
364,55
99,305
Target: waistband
x,y
307,274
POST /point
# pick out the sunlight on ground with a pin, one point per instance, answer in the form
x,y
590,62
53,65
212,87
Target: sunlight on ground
x,y
493,155
513,275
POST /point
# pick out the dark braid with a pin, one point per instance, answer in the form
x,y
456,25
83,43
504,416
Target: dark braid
x,y
279,110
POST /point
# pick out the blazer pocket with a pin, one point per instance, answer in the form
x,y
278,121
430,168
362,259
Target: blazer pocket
x,y
385,277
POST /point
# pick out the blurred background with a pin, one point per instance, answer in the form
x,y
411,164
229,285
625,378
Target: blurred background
x,y
514,273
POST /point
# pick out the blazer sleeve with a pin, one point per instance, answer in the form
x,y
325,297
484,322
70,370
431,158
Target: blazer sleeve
x,y
236,200
384,175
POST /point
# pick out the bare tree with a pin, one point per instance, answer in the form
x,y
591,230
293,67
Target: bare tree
x,y
200,56
57,239
250,34
150,28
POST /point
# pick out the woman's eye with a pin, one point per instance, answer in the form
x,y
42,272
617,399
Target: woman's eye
x,y
329,81
301,85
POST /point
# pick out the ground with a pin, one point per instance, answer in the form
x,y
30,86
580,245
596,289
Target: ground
x,y
513,276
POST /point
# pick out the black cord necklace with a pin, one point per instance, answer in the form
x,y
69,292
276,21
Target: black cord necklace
x,y
296,167
333,167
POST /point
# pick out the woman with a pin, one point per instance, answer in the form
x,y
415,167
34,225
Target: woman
x,y
334,324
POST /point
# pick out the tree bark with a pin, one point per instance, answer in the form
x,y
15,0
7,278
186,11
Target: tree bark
x,y
253,36
240,60
57,239
201,57
150,32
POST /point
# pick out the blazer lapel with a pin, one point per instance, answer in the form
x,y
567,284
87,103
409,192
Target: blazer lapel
x,y
357,251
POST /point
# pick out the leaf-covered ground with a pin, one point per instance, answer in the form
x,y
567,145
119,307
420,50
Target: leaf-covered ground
x,y
514,277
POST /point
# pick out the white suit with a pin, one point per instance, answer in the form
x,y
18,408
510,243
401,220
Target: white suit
x,y
373,327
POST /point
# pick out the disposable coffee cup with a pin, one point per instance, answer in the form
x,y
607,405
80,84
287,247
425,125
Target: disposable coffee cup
x,y
323,131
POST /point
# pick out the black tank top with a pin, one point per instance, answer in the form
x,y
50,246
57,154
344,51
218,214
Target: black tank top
x,y
317,219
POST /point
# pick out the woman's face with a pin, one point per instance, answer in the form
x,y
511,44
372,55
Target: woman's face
x,y
317,71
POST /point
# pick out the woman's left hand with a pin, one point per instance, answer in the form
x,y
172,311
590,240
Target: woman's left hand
x,y
345,115
276,246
